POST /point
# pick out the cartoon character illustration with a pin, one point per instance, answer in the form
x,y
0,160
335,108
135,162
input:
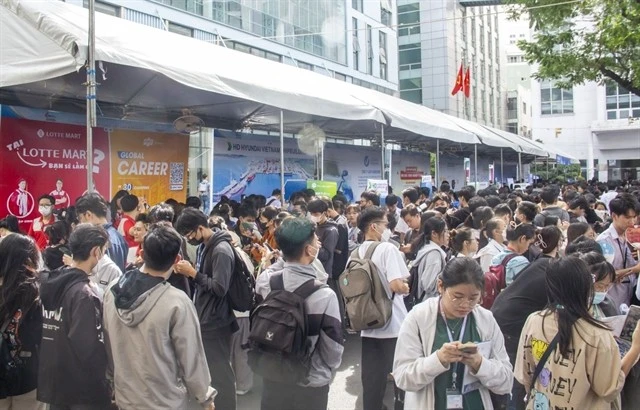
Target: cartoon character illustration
x,y
545,377
538,347
61,197
344,186
20,202
541,402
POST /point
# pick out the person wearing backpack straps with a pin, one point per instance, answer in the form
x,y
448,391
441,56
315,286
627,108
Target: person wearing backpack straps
x,y
519,237
212,276
378,345
586,359
430,257
299,246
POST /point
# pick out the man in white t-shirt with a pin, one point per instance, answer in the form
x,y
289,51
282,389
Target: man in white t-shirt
x,y
203,192
378,345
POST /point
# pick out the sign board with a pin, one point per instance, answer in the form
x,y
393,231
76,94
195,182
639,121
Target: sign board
x,y
323,188
380,186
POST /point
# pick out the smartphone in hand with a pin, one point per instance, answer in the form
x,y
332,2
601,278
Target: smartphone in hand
x,y
468,347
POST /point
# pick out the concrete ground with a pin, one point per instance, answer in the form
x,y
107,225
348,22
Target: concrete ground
x,y
345,392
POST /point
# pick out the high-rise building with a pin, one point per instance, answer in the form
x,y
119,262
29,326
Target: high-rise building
x,y
516,75
351,40
435,38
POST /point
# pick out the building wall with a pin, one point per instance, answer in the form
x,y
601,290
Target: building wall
x,y
449,35
312,34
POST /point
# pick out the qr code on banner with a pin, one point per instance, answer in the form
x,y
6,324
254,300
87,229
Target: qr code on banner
x,y
176,176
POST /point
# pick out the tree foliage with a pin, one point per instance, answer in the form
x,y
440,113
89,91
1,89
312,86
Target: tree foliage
x,y
583,40
557,172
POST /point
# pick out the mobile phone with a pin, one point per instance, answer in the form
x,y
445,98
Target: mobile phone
x,y
468,347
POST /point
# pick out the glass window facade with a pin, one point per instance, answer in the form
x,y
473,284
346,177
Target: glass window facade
x,y
315,26
621,104
554,100
410,56
408,19
411,90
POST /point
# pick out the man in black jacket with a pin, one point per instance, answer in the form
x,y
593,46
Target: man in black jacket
x,y
72,369
212,276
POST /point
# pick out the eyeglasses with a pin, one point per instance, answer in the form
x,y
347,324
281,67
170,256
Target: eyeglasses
x,y
470,302
602,287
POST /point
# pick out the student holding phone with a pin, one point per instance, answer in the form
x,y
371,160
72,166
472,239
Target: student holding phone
x,y
450,352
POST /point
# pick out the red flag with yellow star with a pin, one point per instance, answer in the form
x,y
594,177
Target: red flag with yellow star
x,y
467,83
459,81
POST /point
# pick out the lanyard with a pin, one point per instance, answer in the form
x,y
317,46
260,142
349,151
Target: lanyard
x,y
623,253
454,376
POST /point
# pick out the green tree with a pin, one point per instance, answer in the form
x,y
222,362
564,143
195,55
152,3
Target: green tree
x,y
583,40
558,172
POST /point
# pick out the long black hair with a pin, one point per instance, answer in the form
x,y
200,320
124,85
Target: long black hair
x,y
19,257
570,289
435,224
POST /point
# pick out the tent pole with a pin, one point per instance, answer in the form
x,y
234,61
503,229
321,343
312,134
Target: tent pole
x,y
520,166
282,156
91,94
437,181
322,162
501,168
382,152
475,164
213,161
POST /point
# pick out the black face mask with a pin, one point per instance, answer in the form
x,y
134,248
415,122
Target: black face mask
x,y
441,209
195,242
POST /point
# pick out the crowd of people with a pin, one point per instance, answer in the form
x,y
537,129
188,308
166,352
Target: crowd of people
x,y
495,299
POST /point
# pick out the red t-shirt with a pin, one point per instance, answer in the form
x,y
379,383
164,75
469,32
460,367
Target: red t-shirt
x,y
36,231
126,223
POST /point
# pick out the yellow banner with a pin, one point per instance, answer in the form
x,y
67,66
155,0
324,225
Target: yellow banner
x,y
150,165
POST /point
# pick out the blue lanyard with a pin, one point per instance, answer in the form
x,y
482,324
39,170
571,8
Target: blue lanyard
x,y
454,376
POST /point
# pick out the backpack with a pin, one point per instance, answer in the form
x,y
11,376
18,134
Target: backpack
x,y
366,301
495,280
341,253
413,298
242,286
280,350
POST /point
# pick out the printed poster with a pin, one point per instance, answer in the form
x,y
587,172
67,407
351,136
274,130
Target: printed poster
x,y
150,165
47,158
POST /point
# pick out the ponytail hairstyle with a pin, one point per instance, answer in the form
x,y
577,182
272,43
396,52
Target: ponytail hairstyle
x,y
457,238
517,230
480,216
598,266
486,234
435,224
548,238
569,288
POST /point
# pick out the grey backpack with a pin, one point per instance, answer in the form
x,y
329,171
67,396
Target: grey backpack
x,y
367,303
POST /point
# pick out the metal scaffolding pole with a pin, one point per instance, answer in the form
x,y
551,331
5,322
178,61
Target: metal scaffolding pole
x,y
382,149
282,156
91,93
437,173
520,177
501,168
475,164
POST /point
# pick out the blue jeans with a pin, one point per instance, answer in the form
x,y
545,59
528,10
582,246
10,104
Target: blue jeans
x,y
205,203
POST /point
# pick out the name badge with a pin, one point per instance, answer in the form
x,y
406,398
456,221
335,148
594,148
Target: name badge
x,y
454,400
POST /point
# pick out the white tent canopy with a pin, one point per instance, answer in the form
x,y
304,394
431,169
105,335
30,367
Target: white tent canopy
x,y
43,45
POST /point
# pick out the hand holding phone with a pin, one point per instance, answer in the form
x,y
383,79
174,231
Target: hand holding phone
x,y
468,347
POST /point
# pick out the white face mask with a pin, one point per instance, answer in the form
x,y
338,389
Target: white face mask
x,y
45,210
317,251
315,219
386,235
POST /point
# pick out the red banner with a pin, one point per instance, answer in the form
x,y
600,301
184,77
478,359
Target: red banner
x,y
47,158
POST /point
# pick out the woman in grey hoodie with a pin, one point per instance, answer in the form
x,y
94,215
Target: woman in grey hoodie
x,y
430,257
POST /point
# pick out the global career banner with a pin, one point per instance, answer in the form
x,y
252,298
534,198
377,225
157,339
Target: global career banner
x,y
50,158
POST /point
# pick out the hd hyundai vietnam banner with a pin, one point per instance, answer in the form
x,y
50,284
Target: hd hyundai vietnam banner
x,y
50,158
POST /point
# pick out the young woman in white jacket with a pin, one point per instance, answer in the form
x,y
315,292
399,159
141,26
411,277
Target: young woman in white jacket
x,y
429,363
492,239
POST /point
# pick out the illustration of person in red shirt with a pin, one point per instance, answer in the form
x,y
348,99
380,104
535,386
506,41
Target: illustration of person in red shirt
x,y
129,204
20,202
61,197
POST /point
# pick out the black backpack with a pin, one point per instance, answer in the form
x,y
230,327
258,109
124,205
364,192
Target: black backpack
x,y
413,298
280,350
242,286
341,253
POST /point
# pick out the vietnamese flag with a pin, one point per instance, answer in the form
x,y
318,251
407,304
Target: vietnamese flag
x,y
467,83
459,82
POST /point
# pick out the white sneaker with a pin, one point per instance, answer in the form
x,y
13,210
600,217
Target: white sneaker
x,y
242,392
